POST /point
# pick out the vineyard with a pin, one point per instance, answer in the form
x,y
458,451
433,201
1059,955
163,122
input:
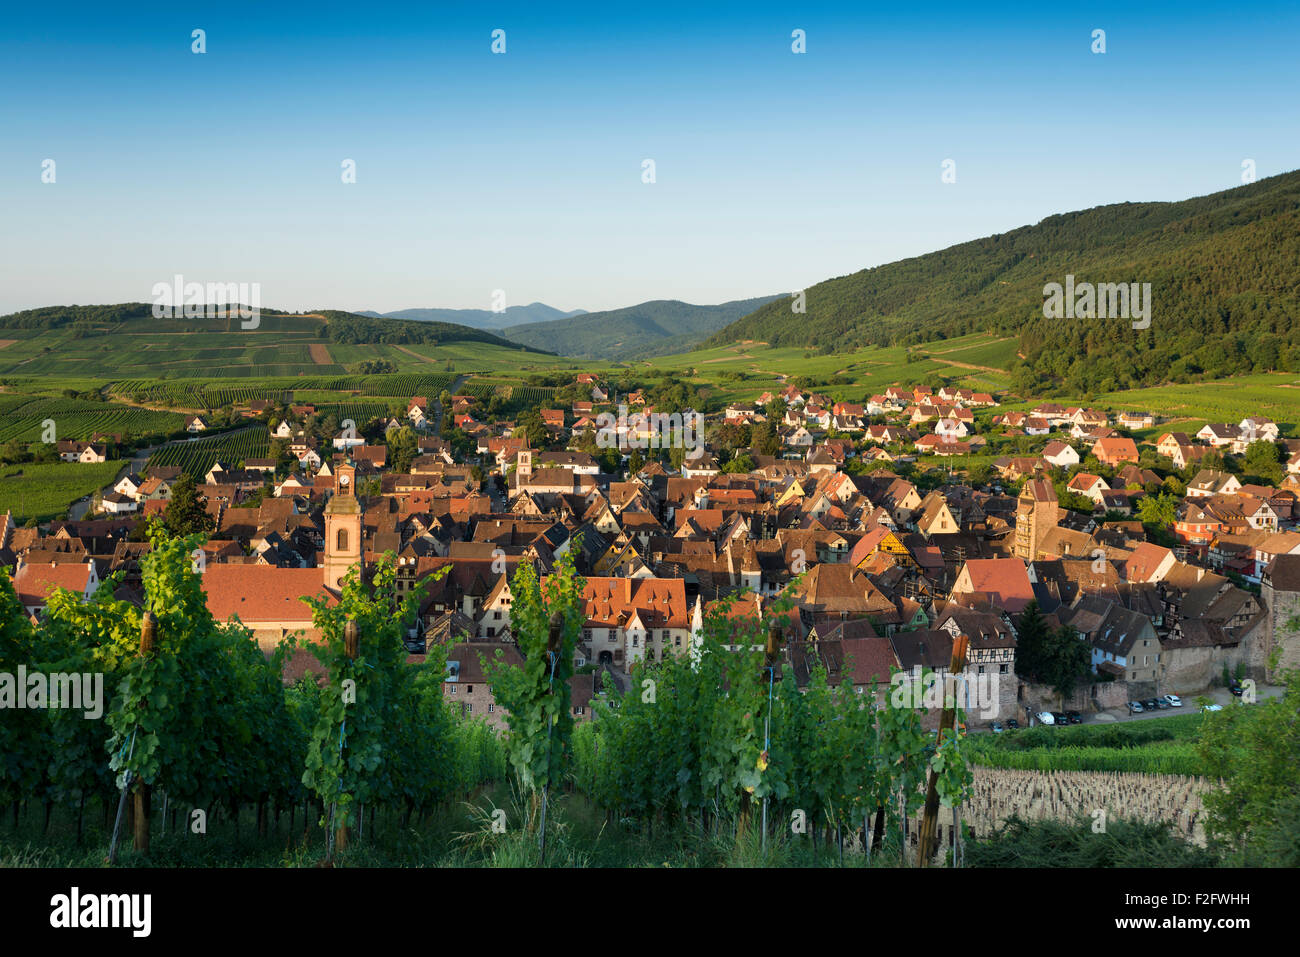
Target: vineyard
x,y
197,456
23,418
215,393
42,492
706,759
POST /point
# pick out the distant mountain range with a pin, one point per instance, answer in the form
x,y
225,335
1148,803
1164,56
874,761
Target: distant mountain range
x,y
659,327
482,318
1223,269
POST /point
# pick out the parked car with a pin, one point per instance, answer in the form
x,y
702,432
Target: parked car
x,y
996,727
1075,717
1212,707
1045,717
1162,704
1012,724
1150,705
1135,707
1236,689
1174,700
1060,717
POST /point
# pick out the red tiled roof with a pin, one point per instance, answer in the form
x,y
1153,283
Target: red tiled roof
x,y
263,593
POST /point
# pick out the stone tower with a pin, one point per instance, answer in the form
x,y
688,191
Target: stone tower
x,y
1037,513
342,528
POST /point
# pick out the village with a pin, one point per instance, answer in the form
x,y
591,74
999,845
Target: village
x,y
1167,559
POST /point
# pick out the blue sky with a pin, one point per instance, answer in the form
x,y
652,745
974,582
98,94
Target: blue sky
x,y
522,171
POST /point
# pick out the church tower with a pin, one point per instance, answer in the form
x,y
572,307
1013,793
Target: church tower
x,y
342,528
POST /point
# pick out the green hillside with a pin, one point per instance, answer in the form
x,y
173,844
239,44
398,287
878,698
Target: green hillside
x,y
654,328
105,342
1224,271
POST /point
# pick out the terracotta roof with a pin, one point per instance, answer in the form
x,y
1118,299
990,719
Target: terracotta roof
x,y
263,593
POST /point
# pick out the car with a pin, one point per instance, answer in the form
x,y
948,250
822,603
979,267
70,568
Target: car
x,y
1045,717
1174,700
1150,704
1013,724
1236,689
1060,717
1162,704
1212,707
996,727
1075,717
1135,707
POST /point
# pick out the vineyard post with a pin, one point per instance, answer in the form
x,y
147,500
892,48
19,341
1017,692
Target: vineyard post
x,y
769,666
148,633
553,646
351,643
927,845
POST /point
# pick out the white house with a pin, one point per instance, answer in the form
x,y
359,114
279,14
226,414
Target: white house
x,y
1060,454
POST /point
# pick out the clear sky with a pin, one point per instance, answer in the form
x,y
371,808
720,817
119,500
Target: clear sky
x,y
523,171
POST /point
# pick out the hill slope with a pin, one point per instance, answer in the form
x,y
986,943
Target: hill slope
x,y
482,318
125,340
659,327
1225,282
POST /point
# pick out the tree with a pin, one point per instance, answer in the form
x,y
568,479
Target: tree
x,y
1032,640
403,445
185,513
536,694
1264,460
1255,751
1158,510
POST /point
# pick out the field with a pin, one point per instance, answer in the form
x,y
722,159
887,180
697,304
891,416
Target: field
x,y
24,417
197,456
1158,746
44,491
202,349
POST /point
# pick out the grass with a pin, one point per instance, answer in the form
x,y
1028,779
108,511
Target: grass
x,y
458,833
44,491
1156,746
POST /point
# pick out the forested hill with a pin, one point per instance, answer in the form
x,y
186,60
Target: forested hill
x,y
656,328
334,325
1224,271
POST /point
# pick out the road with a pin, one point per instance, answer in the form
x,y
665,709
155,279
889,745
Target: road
x,y
1219,696
437,404
136,464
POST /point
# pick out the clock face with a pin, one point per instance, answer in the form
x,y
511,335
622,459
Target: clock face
x,y
343,480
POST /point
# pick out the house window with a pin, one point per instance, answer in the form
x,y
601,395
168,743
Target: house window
x,y
981,670
453,689
586,634
491,708
496,615
342,540
469,708
1002,669
469,689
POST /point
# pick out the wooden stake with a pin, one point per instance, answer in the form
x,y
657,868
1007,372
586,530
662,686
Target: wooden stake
x,y
928,844
140,811
351,643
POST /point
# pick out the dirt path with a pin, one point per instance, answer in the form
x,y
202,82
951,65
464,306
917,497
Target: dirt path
x,y
412,352
969,346
964,365
320,354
